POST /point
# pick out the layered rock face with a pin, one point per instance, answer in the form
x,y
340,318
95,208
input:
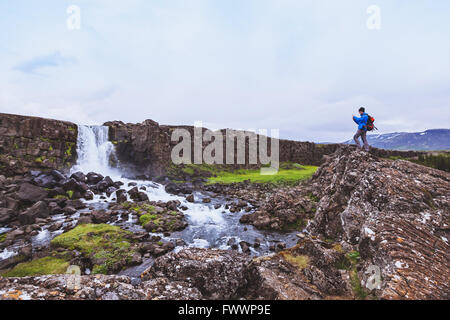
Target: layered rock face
x,y
147,147
31,143
396,214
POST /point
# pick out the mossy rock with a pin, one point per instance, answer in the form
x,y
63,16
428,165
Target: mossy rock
x,y
110,248
39,267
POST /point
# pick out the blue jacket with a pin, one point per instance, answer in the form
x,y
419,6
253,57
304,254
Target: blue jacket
x,y
362,121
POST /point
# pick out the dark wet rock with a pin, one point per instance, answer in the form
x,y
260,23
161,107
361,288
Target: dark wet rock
x,y
206,200
110,191
79,176
142,196
54,208
68,210
55,226
6,215
77,204
101,216
134,193
121,196
88,195
57,175
190,198
45,181
29,193
105,184
38,210
245,246
94,178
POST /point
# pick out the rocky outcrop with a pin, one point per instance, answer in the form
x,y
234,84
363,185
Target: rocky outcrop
x,y
31,143
100,287
395,214
304,272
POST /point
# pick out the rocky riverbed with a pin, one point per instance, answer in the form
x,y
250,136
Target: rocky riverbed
x,y
362,227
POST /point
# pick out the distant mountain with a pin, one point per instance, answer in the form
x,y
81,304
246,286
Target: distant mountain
x,y
430,140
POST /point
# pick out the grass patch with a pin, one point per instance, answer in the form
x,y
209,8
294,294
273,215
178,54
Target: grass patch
x,y
283,176
39,267
301,261
349,263
105,244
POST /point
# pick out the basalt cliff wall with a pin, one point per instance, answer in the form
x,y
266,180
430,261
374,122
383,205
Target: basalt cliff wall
x,y
147,147
32,143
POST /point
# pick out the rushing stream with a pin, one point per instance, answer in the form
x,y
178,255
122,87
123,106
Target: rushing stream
x,y
209,226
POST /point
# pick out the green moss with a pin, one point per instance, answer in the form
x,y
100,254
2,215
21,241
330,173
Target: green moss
x,y
105,244
69,146
298,225
72,129
69,194
2,237
146,218
353,256
39,267
349,262
60,196
50,148
39,159
358,290
301,261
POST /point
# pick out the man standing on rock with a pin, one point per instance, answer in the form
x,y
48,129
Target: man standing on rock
x,y
362,129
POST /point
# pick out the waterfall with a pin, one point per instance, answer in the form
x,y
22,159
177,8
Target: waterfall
x,y
94,150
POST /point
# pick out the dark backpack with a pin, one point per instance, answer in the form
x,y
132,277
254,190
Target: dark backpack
x,y
369,125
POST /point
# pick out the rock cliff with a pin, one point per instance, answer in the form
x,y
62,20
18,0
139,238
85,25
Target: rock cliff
x,y
31,143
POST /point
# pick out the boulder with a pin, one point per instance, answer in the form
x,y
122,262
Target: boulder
x,y
79,176
38,210
216,274
29,193
94,178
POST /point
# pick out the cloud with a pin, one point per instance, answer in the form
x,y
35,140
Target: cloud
x,y
37,63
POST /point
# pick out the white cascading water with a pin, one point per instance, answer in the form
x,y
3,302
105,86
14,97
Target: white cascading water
x,y
94,150
207,226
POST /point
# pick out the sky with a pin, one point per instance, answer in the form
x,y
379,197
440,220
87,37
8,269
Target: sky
x,y
303,67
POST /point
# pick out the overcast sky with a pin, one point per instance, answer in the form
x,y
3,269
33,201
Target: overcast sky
x,y
303,67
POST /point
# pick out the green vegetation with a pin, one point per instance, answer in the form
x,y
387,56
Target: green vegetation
x,y
301,261
146,218
437,160
138,208
349,263
39,159
69,194
60,196
69,146
284,176
289,173
2,237
106,245
39,267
